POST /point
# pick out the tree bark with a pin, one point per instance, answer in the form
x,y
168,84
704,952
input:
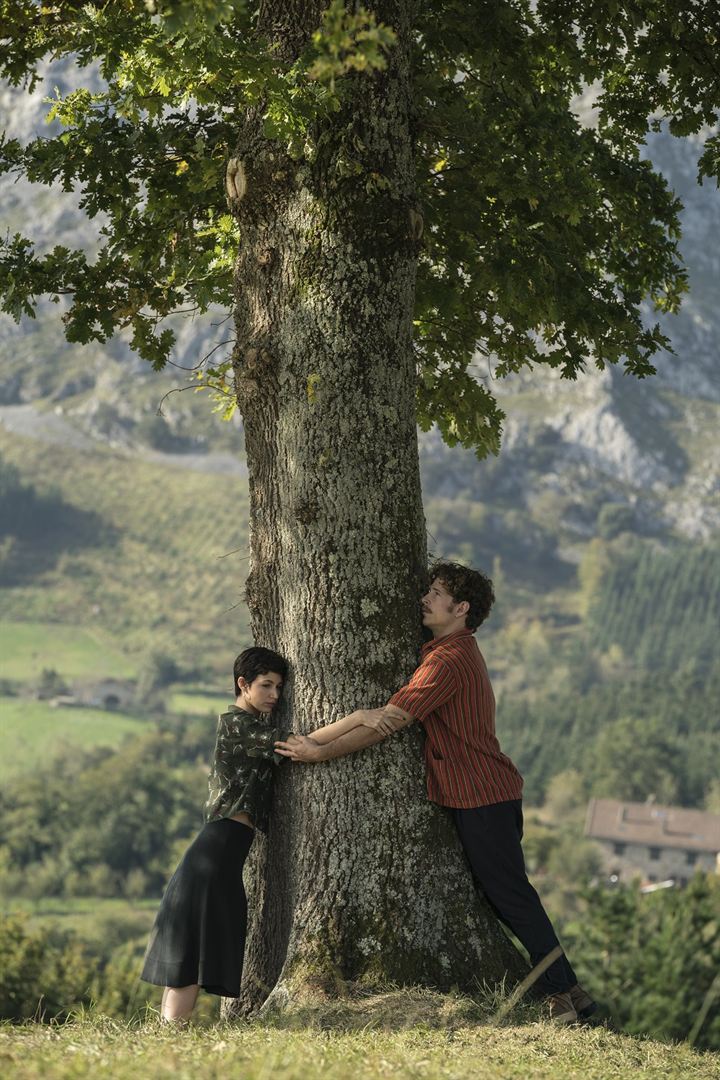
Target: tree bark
x,y
360,878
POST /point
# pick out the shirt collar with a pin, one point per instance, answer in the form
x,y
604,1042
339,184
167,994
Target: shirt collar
x,y
456,636
242,712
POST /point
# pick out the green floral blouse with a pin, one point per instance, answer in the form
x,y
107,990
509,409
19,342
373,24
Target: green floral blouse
x,y
242,772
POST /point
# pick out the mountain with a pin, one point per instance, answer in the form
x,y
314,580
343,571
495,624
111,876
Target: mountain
x,y
132,526
570,449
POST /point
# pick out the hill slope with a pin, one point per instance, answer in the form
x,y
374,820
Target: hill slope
x,y
158,561
569,448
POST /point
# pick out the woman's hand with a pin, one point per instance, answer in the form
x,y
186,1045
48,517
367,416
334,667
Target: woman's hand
x,y
300,748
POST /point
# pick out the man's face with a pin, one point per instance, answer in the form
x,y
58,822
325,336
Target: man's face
x,y
263,693
441,614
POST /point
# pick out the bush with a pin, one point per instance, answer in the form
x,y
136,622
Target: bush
x,y
88,824
117,989
51,684
42,974
650,960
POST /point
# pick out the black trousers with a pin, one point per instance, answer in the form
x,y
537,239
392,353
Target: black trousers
x,y
491,837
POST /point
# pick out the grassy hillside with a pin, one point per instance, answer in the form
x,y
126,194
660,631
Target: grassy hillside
x,y
28,647
161,574
34,731
403,1036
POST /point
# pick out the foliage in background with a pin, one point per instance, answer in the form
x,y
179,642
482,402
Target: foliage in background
x,y
42,975
612,728
541,238
629,699
105,823
627,738
660,607
651,958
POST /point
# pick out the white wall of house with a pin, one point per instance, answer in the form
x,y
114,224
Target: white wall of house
x,y
631,861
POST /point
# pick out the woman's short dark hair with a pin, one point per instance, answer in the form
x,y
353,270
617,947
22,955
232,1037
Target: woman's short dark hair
x,y
258,661
464,583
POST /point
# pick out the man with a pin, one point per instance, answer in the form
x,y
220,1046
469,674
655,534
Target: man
x,y
451,695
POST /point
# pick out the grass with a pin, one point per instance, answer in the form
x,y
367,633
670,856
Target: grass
x,y
200,702
28,647
74,910
101,923
160,566
405,1035
33,730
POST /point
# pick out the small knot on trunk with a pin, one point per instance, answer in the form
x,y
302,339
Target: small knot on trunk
x,y
417,225
235,180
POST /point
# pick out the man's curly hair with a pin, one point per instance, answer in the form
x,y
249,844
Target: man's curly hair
x,y
464,583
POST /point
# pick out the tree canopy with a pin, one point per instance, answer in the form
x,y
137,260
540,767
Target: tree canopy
x,y
540,236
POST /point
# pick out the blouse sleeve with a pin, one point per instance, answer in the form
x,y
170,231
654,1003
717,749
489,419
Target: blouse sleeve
x,y
257,740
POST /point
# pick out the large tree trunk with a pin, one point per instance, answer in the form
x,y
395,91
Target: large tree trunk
x,y
360,878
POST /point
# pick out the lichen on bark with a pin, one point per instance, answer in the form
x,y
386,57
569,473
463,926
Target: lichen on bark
x,y
360,878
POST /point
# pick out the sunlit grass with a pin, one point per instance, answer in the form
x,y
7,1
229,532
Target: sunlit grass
x,y
405,1035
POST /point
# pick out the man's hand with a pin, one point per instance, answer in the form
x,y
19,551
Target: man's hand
x,y
300,748
385,721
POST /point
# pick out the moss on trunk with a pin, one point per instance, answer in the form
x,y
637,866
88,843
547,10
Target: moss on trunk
x,y
360,877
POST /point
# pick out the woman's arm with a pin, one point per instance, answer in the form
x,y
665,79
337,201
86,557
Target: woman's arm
x,y
372,727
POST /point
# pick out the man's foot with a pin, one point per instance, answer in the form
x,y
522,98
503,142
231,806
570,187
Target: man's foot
x,y
561,1008
582,1002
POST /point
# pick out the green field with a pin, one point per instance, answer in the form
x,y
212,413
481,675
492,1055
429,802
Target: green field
x,y
200,703
153,557
33,730
94,919
28,647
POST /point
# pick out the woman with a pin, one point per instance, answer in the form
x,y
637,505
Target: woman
x,y
198,939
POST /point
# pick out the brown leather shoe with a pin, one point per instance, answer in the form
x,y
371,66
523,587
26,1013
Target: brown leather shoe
x,y
582,1002
561,1008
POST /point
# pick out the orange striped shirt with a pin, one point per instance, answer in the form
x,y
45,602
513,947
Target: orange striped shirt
x,y
450,693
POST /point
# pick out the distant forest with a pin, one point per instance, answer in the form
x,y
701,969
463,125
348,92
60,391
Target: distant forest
x,y
640,716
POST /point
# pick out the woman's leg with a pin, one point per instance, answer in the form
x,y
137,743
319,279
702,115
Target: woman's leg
x,y
178,1002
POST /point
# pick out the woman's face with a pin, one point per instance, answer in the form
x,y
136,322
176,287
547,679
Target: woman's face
x,y
262,694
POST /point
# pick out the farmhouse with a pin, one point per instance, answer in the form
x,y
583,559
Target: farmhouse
x,y
106,693
653,843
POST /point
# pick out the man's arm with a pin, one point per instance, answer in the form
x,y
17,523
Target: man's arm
x,y
341,727
372,727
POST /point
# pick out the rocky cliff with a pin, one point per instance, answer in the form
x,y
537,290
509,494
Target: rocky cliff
x,y
570,448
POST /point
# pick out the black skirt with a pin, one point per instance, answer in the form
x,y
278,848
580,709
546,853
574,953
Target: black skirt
x,y
199,932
